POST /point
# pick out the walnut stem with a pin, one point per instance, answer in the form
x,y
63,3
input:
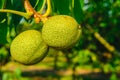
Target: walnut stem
x,y
29,9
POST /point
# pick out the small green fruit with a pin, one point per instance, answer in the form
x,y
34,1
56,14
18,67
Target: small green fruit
x,y
28,47
61,31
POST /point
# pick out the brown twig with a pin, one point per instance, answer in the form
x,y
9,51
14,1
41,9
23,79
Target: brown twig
x,y
109,47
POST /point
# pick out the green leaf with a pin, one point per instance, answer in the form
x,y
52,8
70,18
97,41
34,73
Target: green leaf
x,y
84,56
82,3
17,4
113,76
3,54
39,6
5,76
77,11
33,2
108,67
3,33
18,73
2,17
2,3
68,7
61,6
103,24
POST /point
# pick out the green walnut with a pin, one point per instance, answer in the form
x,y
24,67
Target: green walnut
x,y
61,31
28,47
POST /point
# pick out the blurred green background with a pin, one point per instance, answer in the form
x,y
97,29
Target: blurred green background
x,y
96,56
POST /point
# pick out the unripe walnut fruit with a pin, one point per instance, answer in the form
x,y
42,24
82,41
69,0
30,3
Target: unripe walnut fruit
x,y
28,47
61,31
